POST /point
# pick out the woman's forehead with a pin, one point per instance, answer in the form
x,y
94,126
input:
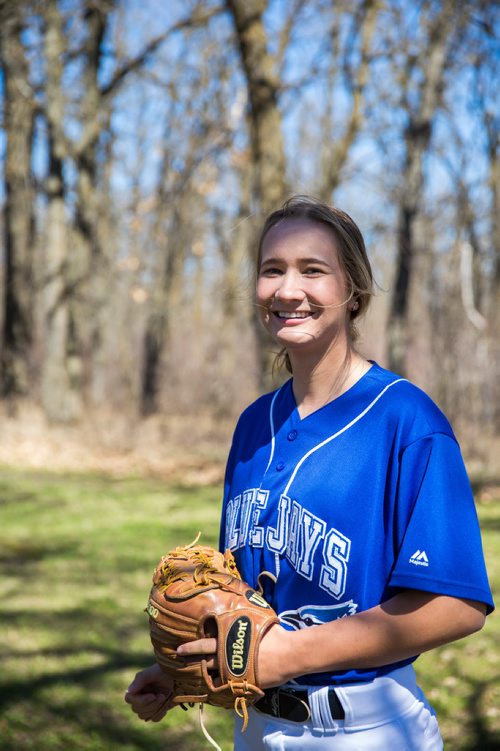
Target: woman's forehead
x,y
299,234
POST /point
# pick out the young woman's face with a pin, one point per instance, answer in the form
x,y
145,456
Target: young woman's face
x,y
301,287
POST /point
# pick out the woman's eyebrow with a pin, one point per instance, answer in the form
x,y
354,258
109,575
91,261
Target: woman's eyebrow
x,y
271,260
316,261
312,259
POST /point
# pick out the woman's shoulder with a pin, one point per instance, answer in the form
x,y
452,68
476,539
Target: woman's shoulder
x,y
408,404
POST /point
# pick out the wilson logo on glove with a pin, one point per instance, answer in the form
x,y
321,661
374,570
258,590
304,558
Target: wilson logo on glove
x,y
237,645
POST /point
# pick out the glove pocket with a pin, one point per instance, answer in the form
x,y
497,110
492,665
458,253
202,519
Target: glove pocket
x,y
165,639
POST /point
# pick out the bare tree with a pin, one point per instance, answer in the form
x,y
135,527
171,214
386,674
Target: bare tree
x,y
57,398
19,110
428,65
355,69
260,68
491,121
266,136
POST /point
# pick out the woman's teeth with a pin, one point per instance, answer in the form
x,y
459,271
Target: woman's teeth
x,y
297,314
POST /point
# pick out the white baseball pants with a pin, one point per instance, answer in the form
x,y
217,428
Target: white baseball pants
x,y
387,714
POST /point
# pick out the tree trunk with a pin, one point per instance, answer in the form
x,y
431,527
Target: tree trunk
x,y
91,268
61,403
494,169
18,213
337,153
267,146
165,298
57,400
263,88
417,138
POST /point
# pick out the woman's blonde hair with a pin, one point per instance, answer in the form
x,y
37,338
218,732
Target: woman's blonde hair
x,y
350,247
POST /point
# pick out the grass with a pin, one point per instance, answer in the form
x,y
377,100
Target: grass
x,y
76,556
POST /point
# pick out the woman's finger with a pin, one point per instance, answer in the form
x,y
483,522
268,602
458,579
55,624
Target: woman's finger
x,y
198,647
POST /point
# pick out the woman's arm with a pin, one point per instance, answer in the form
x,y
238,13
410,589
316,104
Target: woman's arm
x,y
404,626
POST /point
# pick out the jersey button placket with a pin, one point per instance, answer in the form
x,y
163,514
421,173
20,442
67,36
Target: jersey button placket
x,y
292,435
280,466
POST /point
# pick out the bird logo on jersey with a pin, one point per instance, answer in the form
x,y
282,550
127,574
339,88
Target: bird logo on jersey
x,y
315,615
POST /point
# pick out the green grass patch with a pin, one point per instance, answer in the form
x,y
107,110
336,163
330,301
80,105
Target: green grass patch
x,y
76,557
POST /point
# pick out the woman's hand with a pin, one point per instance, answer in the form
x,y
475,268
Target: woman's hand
x,y
149,694
272,660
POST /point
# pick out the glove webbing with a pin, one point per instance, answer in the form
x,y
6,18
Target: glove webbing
x,y
170,573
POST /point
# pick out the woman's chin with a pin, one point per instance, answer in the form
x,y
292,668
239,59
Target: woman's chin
x,y
291,338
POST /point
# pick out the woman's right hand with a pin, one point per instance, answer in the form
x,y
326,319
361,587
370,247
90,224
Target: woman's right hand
x,y
149,694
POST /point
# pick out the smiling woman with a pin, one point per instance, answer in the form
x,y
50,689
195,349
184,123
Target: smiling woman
x,y
348,485
314,280
312,265
301,286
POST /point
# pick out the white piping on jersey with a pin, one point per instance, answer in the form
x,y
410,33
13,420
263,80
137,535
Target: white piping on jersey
x,y
277,564
330,438
273,437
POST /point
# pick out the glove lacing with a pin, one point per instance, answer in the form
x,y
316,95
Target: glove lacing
x,y
205,731
169,572
240,707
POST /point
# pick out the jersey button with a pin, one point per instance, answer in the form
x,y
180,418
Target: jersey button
x,y
280,466
292,435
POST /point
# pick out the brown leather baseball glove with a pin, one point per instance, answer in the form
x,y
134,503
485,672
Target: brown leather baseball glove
x,y
197,592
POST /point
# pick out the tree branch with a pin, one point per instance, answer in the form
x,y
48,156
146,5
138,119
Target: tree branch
x,y
198,18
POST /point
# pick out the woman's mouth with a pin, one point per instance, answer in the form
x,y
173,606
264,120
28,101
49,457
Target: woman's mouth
x,y
297,314
288,318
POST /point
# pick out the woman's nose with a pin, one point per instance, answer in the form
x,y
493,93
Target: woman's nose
x,y
289,287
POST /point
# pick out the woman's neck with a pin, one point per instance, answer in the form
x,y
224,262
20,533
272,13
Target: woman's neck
x,y
316,384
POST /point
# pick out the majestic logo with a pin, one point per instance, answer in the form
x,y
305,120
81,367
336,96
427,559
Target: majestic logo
x,y
315,615
153,612
237,645
256,599
419,558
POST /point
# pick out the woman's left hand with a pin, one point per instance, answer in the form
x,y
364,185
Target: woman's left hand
x,y
272,658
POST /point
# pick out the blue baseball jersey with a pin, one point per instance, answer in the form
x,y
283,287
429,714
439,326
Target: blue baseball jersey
x,y
347,506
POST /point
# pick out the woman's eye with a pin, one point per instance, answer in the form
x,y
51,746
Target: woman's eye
x,y
313,271
270,271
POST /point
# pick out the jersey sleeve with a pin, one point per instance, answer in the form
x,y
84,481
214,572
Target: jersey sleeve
x,y
440,548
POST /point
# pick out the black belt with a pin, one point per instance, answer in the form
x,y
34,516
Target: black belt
x,y
293,704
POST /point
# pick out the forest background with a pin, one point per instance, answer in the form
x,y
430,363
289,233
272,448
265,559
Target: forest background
x,y
142,142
